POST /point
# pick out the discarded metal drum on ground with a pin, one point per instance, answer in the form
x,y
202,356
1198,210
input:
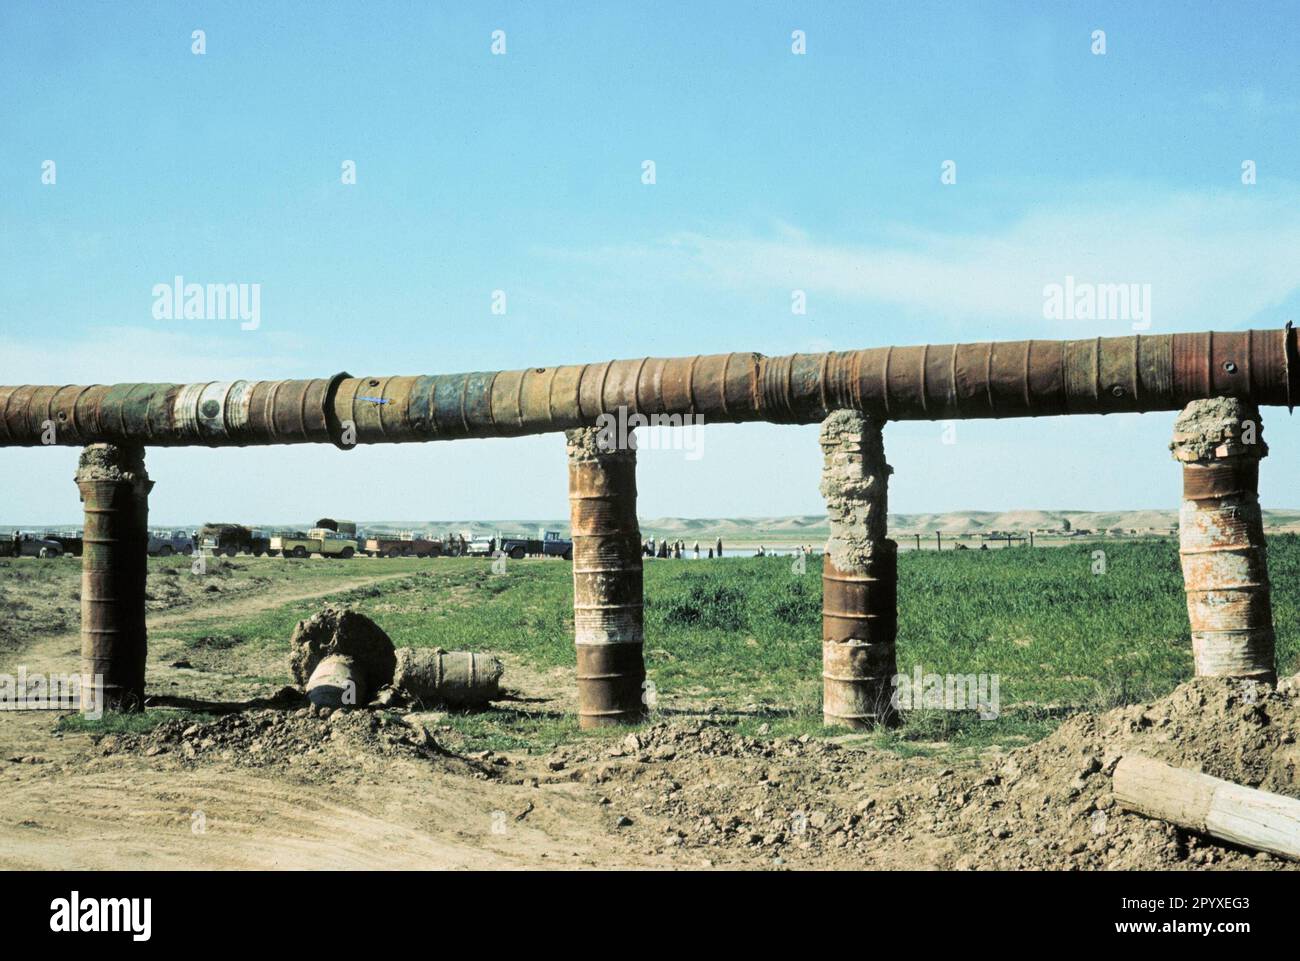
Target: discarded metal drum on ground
x,y
433,676
337,681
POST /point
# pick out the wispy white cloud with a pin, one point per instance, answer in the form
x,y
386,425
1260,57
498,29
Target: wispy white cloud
x,y
1254,102
1212,260
124,354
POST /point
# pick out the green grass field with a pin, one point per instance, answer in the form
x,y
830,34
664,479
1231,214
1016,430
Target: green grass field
x,y
741,637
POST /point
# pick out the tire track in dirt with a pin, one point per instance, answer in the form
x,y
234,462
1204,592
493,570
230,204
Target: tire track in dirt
x,y
76,809
121,812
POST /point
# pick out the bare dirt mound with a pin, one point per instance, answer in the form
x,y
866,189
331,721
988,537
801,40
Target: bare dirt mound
x,y
1046,806
313,741
1059,790
694,792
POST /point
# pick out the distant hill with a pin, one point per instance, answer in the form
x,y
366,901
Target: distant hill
x,y
811,528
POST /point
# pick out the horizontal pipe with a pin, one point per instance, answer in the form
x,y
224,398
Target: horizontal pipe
x,y
1027,378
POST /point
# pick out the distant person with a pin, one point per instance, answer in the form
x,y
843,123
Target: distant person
x,y
717,546
697,550
710,553
18,543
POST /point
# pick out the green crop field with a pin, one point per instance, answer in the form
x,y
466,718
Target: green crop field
x,y
740,638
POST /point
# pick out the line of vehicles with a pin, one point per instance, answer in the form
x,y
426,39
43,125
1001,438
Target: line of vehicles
x,y
328,538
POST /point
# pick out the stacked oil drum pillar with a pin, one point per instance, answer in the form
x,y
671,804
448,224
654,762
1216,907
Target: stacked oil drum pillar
x,y
607,588
1221,539
859,575
115,491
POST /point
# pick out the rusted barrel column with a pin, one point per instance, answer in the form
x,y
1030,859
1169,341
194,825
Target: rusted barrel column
x,y
859,575
607,591
1221,539
115,491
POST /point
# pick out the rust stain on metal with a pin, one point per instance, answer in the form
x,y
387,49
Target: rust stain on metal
x,y
859,628
1006,379
1221,539
607,582
859,576
115,490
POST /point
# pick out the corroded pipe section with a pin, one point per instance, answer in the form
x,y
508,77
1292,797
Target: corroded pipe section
x,y
338,681
1221,539
115,491
607,589
454,678
859,575
1028,378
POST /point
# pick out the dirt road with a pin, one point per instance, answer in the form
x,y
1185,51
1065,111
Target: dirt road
x,y
65,805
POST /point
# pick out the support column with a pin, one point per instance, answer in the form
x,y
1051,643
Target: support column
x,y
859,575
607,589
1221,539
115,490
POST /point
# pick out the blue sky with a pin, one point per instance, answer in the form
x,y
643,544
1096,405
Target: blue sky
x,y
523,173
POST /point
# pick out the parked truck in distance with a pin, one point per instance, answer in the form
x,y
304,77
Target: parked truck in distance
x,y
72,542
318,540
405,544
348,528
167,543
232,539
19,544
518,546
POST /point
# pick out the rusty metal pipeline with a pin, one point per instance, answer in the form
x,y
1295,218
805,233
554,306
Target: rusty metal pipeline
x,y
115,490
929,382
608,614
1221,540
